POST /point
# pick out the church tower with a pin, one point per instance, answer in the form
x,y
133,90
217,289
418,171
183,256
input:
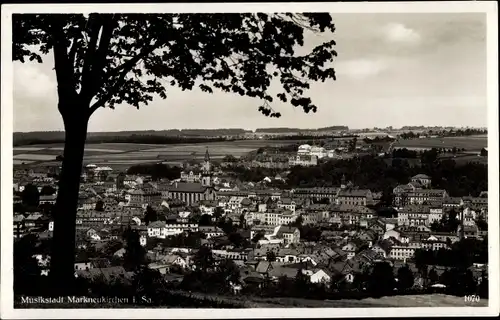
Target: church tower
x,y
343,183
206,176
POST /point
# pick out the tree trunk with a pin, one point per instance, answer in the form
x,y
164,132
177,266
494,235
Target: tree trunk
x,y
63,251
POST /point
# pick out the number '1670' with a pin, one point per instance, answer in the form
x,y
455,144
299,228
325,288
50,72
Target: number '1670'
x,y
472,298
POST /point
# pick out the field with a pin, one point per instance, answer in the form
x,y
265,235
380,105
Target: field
x,y
429,300
126,154
470,143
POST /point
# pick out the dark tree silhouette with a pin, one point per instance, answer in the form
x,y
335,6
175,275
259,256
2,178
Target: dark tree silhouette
x,y
405,278
135,254
258,236
30,195
104,60
26,269
271,256
47,191
99,205
205,220
204,259
150,215
381,281
433,276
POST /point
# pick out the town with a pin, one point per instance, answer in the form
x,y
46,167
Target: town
x,y
266,225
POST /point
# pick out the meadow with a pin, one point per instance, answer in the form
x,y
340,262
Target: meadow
x,y
124,154
469,143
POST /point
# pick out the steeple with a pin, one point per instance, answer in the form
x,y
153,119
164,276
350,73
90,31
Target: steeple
x,y
207,156
206,179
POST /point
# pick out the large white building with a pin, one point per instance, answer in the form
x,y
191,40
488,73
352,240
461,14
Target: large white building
x,y
303,161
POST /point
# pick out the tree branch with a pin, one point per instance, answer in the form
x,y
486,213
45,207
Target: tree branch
x,y
113,89
64,72
94,29
97,71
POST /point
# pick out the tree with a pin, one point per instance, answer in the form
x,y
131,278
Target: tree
x,y
229,158
271,256
301,283
203,259
484,152
205,220
47,191
135,254
218,212
150,215
30,195
229,272
236,238
381,281
433,276
104,60
258,236
26,269
99,205
405,278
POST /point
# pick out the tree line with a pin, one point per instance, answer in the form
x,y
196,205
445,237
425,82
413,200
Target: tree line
x,y
156,171
377,175
134,138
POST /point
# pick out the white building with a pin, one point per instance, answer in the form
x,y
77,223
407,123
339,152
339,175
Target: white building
x,y
303,160
319,152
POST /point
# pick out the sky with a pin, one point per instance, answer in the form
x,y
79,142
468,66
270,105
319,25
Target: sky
x,y
392,70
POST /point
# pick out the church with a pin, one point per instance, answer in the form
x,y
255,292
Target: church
x,y
192,192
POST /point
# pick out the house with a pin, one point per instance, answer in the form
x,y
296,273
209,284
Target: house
x,y
175,260
289,234
422,179
47,199
161,268
211,231
82,264
396,234
377,226
320,276
352,247
368,235
287,204
382,247
120,253
108,274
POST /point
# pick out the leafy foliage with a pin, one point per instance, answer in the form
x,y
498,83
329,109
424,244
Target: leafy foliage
x,y
129,58
135,254
30,195
405,278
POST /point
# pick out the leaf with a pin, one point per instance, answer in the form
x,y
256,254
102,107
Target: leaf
x,y
232,52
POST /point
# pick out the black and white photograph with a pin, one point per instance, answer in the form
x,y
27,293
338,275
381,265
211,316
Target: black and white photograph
x,y
297,159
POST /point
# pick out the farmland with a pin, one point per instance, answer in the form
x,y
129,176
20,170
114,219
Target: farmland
x,y
417,300
469,143
125,154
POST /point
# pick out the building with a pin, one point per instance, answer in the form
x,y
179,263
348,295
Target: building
x,y
139,198
423,179
319,152
427,196
160,229
211,231
190,193
329,193
287,204
289,234
354,197
303,161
